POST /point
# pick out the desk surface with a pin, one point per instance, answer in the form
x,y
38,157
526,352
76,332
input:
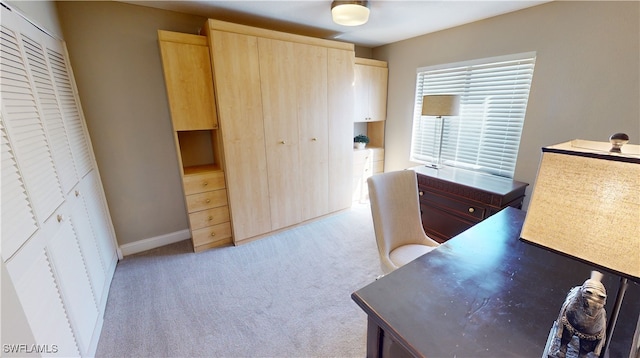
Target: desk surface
x,y
485,293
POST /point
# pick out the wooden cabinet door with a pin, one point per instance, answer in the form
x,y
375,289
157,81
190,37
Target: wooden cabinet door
x,y
278,61
341,96
311,83
237,72
378,77
361,100
189,83
371,91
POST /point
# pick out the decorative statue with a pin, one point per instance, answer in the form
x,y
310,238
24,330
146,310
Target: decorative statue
x,y
580,330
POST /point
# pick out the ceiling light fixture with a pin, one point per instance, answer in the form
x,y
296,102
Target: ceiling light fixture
x,y
350,13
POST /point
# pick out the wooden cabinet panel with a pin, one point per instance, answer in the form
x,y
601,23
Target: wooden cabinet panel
x,y
279,90
206,200
311,82
237,82
371,77
212,235
209,217
198,183
189,81
278,61
341,96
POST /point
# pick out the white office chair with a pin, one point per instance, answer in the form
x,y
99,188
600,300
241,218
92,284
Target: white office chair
x,y
396,219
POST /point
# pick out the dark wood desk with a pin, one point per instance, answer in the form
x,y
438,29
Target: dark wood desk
x,y
483,293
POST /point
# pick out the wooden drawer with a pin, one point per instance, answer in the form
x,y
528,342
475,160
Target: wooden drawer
x,y
209,217
440,225
206,200
472,212
211,234
201,182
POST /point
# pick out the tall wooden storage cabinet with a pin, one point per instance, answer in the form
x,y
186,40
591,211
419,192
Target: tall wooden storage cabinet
x,y
287,149
58,242
371,108
189,83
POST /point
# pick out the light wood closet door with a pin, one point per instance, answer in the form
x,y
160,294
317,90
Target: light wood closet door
x,y
237,81
278,63
311,79
340,125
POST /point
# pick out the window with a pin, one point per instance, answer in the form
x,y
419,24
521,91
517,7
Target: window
x,y
485,136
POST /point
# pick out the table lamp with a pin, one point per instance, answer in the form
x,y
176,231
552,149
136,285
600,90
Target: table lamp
x,y
586,205
440,105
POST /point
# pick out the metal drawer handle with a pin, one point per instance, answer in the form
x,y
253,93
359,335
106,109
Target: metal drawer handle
x,y
213,233
283,142
60,218
471,210
314,139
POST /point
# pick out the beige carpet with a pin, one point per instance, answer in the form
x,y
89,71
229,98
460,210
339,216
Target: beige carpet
x,y
287,295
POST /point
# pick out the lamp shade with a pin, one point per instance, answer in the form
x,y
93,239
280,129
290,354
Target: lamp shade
x,y
440,105
350,13
586,205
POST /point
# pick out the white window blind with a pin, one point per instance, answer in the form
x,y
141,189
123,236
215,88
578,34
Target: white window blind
x,y
485,136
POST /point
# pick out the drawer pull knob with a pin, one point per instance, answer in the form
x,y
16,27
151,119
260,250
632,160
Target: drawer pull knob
x,y
77,193
471,210
60,218
213,233
421,193
283,142
205,183
207,201
210,218
314,139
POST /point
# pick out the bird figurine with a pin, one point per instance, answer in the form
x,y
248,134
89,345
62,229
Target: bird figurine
x,y
581,326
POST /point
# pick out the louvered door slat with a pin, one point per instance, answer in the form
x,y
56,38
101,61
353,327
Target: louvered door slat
x,y
71,111
18,221
51,114
26,133
71,275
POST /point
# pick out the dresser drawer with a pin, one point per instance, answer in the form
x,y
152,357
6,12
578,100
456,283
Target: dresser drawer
x,y
201,182
470,211
211,234
209,217
441,225
206,200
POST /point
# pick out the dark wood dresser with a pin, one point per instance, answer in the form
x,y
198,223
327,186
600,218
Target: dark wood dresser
x,y
452,200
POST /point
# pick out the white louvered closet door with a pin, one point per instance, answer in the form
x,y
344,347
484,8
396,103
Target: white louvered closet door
x,y
57,238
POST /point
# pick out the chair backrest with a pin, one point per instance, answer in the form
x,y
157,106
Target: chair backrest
x,y
395,209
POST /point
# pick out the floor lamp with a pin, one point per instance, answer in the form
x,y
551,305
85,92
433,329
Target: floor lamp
x,y
586,205
440,105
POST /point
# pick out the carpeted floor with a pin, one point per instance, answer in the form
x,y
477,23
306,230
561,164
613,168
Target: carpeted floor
x,y
287,295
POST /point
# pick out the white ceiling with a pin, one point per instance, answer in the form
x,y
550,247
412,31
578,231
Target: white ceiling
x,y
389,20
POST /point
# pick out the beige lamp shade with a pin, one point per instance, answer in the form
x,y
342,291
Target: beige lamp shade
x,y
440,105
586,204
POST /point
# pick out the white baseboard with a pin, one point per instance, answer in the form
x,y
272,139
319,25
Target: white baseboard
x,y
154,242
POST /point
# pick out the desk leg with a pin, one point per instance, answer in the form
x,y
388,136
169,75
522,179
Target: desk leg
x,y
374,339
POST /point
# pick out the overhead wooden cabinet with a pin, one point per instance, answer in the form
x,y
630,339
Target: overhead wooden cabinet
x,y
58,242
286,150
188,78
371,90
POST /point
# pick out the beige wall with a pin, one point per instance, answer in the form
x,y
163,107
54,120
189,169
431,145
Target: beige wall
x,y
585,83
116,61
